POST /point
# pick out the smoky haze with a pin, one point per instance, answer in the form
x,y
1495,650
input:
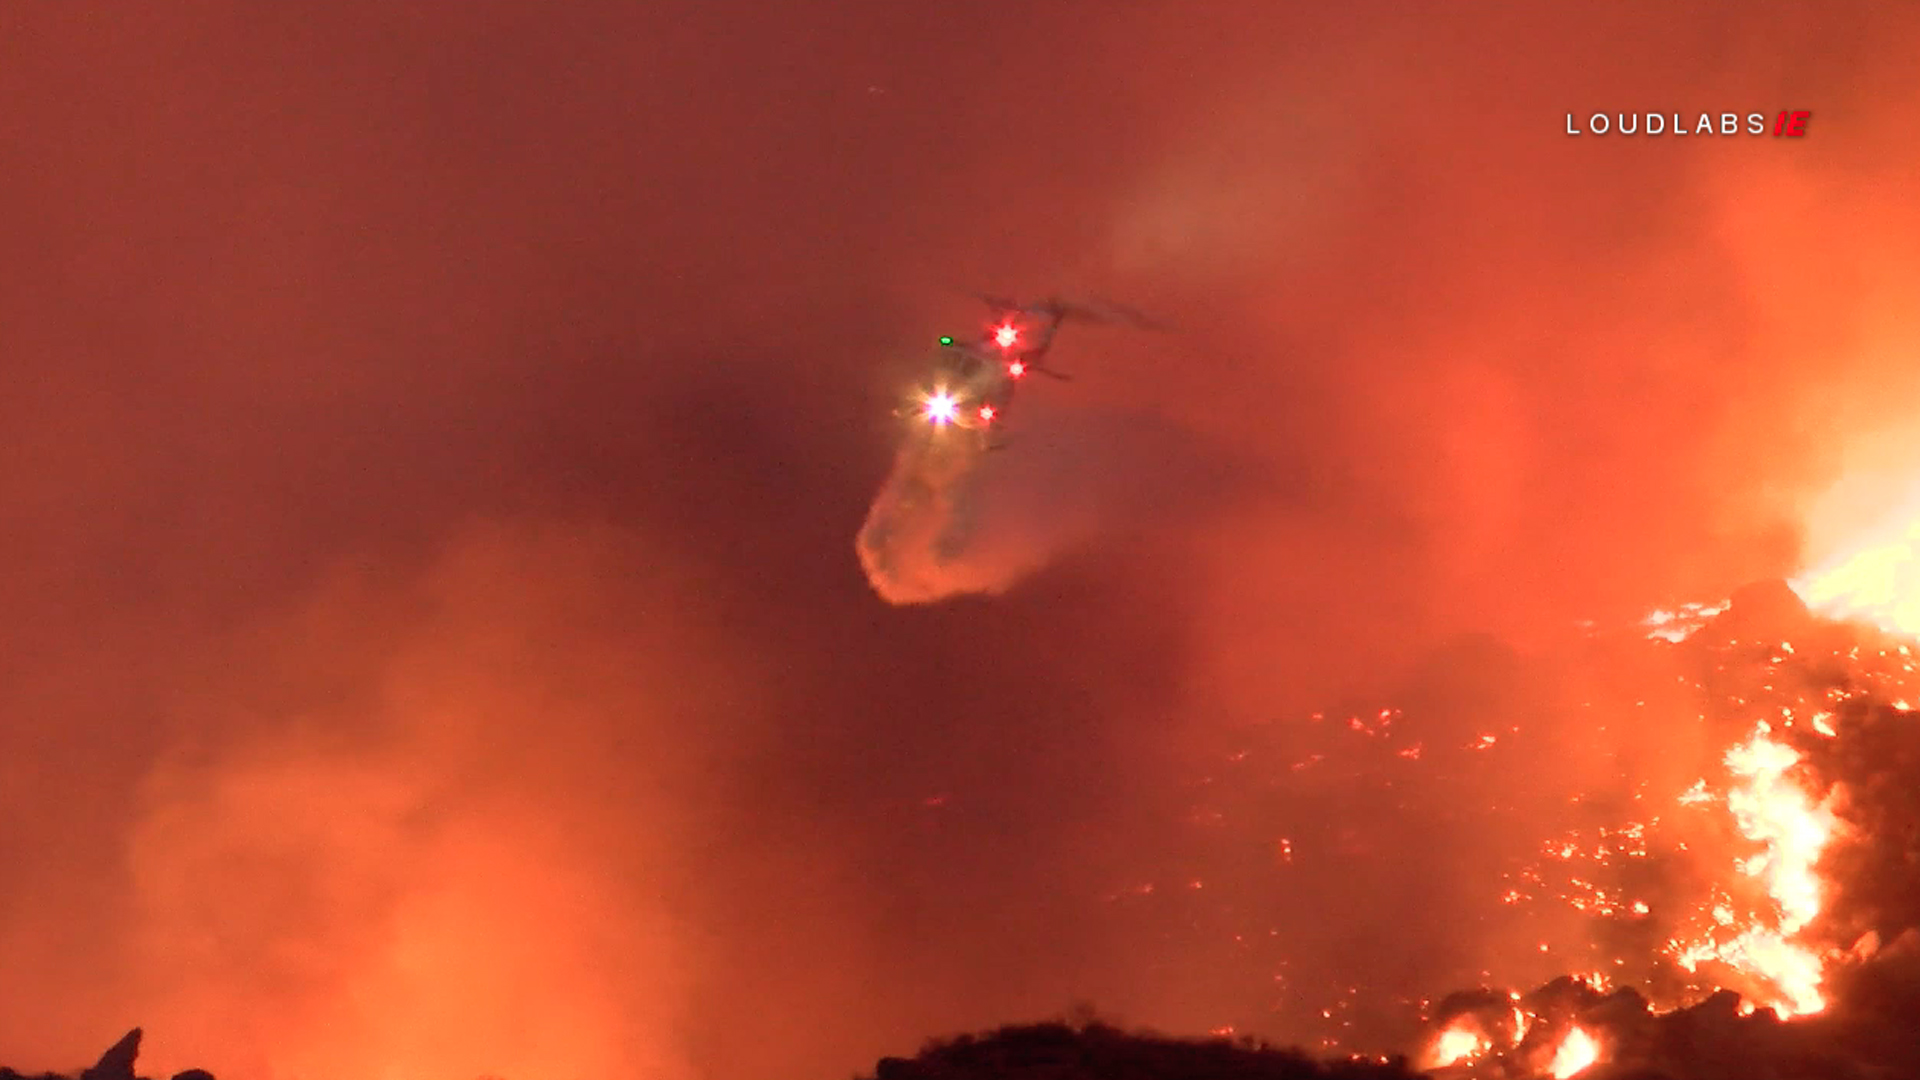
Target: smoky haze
x,y
433,439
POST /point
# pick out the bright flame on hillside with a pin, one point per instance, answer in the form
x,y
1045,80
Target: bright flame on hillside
x,y
1458,1043
1864,535
1770,809
1725,877
1577,1052
1877,583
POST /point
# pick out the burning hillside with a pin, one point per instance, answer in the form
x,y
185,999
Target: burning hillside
x,y
1768,888
1586,1034
1743,871
1744,900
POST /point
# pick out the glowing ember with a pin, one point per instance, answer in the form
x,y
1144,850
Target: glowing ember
x,y
1679,624
1576,1052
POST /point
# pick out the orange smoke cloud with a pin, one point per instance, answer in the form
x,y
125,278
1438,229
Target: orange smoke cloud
x,y
466,866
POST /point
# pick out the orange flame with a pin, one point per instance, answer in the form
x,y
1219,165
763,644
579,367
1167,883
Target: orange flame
x,y
1770,809
1456,1044
1877,582
1577,1051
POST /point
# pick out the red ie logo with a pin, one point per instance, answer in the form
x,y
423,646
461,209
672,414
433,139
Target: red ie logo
x,y
1791,123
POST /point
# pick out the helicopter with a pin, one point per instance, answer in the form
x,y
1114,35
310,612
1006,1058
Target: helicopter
x,y
978,376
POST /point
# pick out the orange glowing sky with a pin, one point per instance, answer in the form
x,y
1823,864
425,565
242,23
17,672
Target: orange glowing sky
x,y
433,441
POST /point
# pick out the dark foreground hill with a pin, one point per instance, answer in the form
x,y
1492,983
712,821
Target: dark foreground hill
x,y
1712,1040
1059,1051
1709,1042
115,1064
1872,1038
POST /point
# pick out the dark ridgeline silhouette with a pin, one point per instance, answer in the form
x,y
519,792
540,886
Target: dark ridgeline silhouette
x,y
1096,1051
1709,1041
115,1064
